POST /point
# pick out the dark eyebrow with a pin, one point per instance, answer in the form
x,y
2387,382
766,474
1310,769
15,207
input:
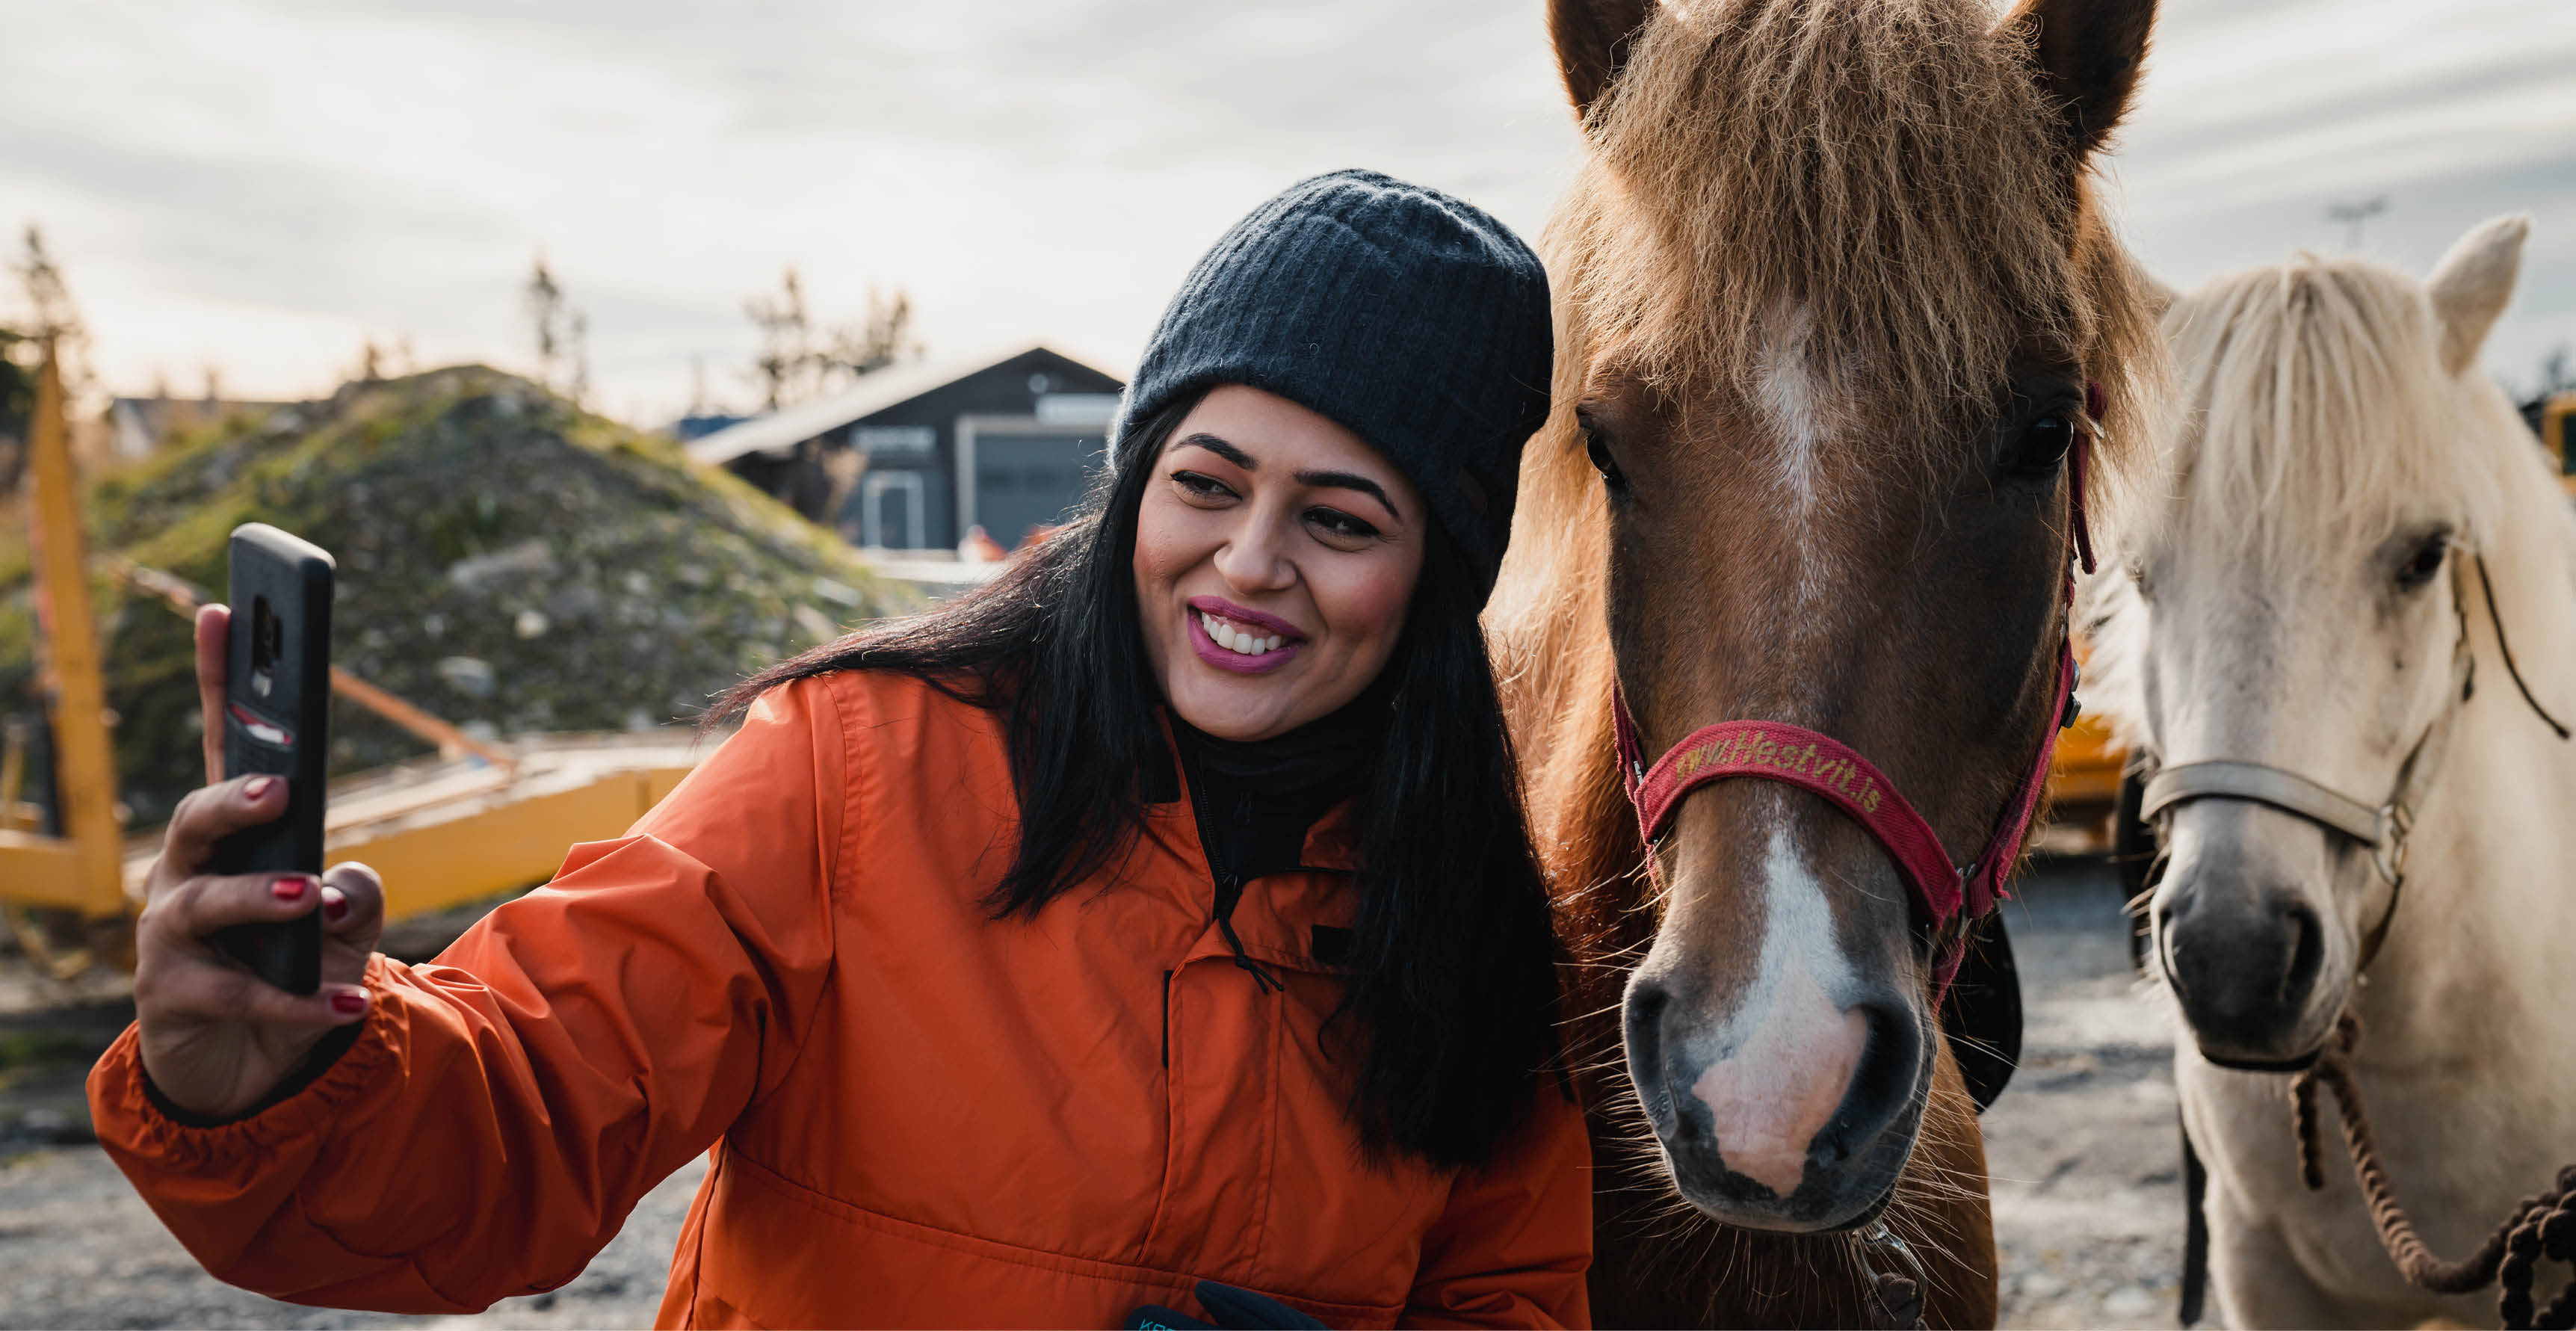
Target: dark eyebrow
x,y
1351,481
1342,480
1222,449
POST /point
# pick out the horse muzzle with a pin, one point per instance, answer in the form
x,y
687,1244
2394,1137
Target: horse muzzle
x,y
2249,959
1798,1119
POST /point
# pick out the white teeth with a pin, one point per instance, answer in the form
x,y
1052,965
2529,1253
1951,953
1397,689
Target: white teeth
x,y
1224,634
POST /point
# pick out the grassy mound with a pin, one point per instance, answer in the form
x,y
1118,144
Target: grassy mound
x,y
505,561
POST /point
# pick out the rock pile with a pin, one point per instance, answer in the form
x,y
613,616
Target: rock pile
x,y
506,561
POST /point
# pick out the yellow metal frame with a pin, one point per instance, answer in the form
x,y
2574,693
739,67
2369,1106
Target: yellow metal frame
x,y
81,870
502,848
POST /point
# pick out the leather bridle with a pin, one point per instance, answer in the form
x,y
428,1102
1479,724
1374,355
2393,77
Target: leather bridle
x,y
1951,895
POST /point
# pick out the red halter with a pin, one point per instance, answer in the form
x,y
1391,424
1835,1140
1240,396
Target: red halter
x,y
1797,756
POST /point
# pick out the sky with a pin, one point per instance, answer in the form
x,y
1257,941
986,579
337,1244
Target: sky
x,y
259,187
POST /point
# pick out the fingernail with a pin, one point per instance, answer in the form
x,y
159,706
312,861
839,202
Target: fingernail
x,y
348,1002
290,888
258,787
335,907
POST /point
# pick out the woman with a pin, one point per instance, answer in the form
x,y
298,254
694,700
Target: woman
x,y
1163,912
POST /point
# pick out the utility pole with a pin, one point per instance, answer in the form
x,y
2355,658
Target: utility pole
x,y
2355,212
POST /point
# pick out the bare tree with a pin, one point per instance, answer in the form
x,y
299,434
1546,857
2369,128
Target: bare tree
x,y
796,361
2556,374
562,334
51,317
882,339
786,336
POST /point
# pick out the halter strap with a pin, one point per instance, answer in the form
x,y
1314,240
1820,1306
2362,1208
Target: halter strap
x,y
2262,783
1825,767
2383,831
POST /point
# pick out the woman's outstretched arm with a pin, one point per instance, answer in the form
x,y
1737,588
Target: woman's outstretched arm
x,y
501,1110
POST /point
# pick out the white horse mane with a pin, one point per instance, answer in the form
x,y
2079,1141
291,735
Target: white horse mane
x,y
2309,398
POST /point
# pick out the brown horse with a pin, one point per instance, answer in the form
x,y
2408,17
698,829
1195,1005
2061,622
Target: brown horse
x,y
1832,290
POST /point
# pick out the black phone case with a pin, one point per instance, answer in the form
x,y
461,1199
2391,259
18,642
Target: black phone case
x,y
277,712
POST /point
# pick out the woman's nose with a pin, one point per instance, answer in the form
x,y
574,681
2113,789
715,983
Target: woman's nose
x,y
1254,559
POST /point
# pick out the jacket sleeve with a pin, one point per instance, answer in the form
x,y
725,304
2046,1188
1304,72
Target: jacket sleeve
x,y
505,1106
1512,1247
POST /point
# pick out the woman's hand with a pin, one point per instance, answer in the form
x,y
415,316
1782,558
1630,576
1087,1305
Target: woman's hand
x,y
215,1038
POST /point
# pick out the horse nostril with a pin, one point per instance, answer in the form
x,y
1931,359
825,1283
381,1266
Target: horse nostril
x,y
2307,952
1882,1083
1644,1020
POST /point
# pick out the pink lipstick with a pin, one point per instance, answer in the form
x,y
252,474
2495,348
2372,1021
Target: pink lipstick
x,y
1246,642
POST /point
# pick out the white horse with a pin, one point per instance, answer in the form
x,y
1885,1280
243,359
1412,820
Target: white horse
x,y
2293,623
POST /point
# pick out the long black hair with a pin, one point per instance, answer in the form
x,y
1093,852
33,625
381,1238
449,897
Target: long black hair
x,y
1452,959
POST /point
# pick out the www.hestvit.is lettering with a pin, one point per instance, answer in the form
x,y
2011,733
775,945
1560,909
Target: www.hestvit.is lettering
x,y
1749,749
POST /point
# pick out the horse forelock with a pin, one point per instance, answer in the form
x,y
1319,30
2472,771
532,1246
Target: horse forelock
x,y
1876,190
2311,402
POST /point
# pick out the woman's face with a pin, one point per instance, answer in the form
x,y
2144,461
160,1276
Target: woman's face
x,y
1275,555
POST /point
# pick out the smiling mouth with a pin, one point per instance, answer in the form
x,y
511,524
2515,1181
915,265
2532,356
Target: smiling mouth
x,y
1240,641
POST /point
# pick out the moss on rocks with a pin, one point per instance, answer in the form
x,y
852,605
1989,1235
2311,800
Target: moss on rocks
x,y
506,561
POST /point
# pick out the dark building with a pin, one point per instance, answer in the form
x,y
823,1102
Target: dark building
x,y
1005,443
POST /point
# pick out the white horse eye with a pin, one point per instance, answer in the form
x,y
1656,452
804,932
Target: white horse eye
x,y
2426,561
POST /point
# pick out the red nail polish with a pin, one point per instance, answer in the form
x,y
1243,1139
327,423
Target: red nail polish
x,y
348,1003
290,888
258,787
335,909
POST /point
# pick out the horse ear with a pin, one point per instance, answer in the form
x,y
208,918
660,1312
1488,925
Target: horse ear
x,y
2088,54
2472,283
1592,41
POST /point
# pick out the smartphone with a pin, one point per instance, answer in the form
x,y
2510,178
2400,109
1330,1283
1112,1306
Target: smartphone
x,y
277,712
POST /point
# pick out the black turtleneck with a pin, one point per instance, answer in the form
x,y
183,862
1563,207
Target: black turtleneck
x,y
1256,800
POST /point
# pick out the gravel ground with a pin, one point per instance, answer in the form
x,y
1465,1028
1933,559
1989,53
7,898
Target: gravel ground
x,y
2083,1153
2083,1149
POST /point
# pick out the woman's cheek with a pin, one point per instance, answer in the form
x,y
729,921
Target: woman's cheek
x,y
1367,611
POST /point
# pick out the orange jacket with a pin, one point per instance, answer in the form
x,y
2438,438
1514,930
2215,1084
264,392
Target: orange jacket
x,y
918,1115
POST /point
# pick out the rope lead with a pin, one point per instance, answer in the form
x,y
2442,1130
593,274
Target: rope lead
x,y
2540,1227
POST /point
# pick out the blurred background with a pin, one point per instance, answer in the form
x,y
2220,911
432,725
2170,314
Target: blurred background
x,y
619,350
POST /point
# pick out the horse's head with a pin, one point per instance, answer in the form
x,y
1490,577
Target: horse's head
x,y
1832,292
2288,611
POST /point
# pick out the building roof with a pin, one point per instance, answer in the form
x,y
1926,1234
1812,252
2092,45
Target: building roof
x,y
890,387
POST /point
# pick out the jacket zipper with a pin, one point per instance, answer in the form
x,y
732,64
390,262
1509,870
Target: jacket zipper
x,y
1228,884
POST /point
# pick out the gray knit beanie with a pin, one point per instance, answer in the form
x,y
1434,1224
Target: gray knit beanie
x,y
1415,320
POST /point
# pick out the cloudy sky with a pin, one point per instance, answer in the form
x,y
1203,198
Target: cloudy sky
x,y
259,186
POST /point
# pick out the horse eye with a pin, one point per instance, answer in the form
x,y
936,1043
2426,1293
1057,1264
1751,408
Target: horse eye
x,y
2425,562
1599,452
2044,443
